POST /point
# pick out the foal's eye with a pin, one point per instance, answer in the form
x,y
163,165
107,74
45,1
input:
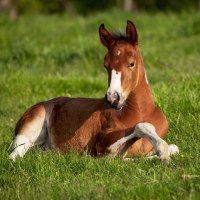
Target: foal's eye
x,y
131,65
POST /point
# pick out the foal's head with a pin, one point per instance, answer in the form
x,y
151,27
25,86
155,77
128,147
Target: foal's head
x,y
122,63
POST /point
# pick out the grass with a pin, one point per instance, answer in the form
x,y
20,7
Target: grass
x,y
42,57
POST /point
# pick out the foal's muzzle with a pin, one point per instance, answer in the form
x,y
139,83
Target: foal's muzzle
x,y
113,99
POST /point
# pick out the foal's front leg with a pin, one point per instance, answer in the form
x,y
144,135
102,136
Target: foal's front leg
x,y
145,130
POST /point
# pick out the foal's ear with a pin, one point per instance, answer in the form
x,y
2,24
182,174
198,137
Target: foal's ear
x,y
131,33
105,37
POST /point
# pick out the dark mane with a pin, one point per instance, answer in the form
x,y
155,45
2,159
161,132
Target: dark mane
x,y
119,36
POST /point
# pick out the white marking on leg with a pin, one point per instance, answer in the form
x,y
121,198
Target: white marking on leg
x,y
30,133
35,130
147,131
114,148
152,157
173,149
21,144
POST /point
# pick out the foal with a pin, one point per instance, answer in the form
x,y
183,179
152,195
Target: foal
x,y
125,123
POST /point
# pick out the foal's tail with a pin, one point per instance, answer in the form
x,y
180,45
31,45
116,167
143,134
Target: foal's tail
x,y
30,130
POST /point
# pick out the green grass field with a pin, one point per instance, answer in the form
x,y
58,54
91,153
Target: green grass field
x,y
42,57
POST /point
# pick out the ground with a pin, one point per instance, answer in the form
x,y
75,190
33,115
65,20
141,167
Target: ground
x,y
42,57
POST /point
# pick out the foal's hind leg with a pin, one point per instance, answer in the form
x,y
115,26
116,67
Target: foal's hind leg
x,y
20,146
30,131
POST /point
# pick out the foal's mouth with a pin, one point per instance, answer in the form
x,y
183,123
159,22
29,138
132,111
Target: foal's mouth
x,y
115,105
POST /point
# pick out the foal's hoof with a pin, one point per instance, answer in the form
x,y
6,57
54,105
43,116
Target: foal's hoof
x,y
162,151
173,149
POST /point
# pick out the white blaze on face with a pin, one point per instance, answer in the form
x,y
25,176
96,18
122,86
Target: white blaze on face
x,y
115,83
115,87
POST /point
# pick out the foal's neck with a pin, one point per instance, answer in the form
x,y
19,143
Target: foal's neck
x,y
140,102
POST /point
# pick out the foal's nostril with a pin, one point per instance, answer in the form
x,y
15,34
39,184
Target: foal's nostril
x,y
116,96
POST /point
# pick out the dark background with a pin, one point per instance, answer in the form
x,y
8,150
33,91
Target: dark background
x,y
14,8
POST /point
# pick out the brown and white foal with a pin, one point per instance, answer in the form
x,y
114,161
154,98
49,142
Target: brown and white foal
x,y
125,123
